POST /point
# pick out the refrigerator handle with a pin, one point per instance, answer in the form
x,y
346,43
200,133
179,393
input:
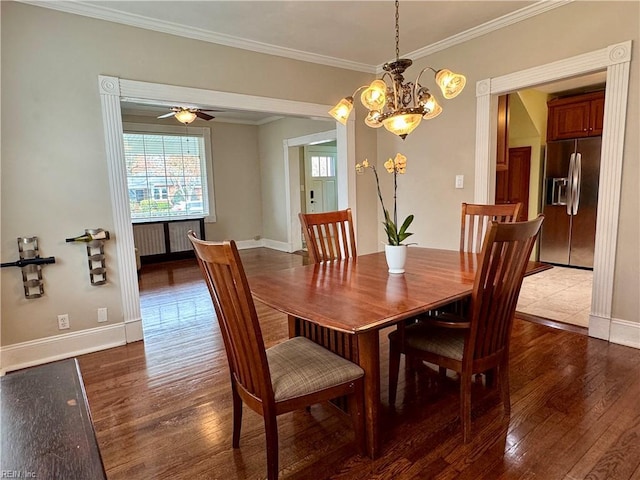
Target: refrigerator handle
x,y
577,180
572,161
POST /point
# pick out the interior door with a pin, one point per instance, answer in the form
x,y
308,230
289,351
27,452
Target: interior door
x,y
512,183
321,192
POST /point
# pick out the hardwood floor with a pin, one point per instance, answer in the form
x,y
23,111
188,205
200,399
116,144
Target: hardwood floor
x,y
162,407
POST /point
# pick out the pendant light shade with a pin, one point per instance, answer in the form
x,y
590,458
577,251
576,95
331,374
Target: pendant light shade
x,y
342,110
402,123
431,107
374,97
373,119
450,83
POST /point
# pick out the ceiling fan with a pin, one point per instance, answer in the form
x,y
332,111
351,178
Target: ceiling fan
x,y
188,115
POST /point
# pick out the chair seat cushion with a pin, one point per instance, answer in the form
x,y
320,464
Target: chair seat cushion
x,y
447,342
299,367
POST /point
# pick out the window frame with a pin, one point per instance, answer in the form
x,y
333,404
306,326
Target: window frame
x,y
207,162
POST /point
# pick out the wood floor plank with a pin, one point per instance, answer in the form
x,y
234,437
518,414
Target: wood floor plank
x,y
162,407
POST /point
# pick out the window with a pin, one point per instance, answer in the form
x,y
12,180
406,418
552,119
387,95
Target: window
x,y
166,172
322,166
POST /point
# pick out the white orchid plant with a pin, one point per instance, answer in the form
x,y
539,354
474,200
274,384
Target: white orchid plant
x,y
395,166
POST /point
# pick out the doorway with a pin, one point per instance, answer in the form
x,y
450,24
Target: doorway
x,y
562,294
113,90
320,179
615,60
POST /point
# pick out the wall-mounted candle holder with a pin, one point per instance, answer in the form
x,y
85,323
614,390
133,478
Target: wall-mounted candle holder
x,y
31,265
94,238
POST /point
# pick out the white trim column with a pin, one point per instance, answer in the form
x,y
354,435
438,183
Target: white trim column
x,y
125,249
615,59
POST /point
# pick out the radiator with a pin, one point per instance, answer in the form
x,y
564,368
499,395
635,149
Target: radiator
x,y
152,238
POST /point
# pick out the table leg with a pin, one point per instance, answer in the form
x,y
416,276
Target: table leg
x,y
293,330
369,360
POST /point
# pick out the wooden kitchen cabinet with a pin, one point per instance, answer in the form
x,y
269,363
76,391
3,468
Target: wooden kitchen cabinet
x,y
576,117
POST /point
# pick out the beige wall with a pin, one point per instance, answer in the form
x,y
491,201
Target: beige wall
x,y
54,170
270,138
237,178
54,174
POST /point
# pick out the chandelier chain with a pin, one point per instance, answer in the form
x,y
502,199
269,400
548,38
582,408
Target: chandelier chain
x,y
397,29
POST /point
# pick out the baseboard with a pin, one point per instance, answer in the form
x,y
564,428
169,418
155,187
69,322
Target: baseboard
x,y
266,243
245,244
599,327
624,332
276,245
615,330
37,352
133,330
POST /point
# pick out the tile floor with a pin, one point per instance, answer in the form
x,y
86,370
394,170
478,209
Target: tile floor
x,y
561,294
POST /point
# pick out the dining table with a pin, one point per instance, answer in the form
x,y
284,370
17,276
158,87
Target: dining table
x,y
344,304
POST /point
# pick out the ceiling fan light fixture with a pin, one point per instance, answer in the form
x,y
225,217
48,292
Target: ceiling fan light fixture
x,y
398,105
185,116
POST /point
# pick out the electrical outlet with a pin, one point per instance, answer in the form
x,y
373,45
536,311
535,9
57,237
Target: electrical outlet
x,y
63,321
459,181
102,314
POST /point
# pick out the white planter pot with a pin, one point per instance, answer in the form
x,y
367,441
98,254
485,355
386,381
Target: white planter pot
x,y
396,257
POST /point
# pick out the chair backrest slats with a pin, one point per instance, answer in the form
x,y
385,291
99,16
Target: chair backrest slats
x,y
227,283
504,258
329,235
475,220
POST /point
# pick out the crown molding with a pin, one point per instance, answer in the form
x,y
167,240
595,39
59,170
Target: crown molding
x,y
108,14
140,21
488,27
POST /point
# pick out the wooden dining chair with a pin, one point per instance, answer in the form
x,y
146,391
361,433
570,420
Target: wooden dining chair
x,y
476,218
474,221
289,376
329,235
479,342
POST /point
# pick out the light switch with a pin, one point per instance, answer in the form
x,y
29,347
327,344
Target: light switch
x,y
459,181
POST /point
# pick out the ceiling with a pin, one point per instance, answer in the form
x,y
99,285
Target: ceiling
x,y
358,35
353,34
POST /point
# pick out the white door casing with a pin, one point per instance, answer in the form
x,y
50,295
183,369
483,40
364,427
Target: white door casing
x,y
113,90
615,59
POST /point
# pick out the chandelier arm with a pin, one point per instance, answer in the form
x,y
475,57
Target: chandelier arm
x,y
420,75
358,89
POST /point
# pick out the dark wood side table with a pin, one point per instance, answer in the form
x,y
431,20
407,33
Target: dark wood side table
x,y
45,425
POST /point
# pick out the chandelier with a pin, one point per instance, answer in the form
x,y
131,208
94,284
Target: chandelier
x,y
400,106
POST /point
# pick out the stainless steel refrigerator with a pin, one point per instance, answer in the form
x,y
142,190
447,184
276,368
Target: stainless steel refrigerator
x,y
571,173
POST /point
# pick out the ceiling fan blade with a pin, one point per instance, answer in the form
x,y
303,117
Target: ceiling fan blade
x,y
204,116
166,115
